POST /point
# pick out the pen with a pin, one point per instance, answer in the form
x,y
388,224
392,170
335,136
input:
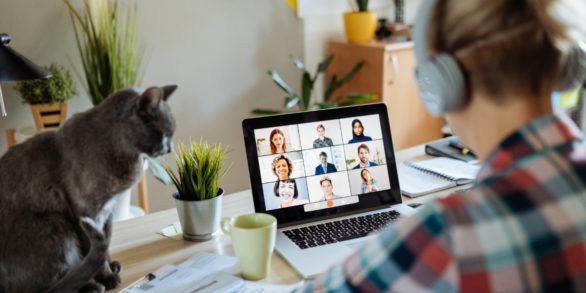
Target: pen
x,y
463,150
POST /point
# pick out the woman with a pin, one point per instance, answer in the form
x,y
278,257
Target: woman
x,y
358,132
282,167
368,183
277,141
286,190
521,227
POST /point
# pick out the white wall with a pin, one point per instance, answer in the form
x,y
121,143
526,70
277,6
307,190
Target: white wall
x,y
217,51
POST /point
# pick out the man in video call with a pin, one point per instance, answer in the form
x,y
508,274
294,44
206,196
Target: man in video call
x,y
324,167
363,156
322,140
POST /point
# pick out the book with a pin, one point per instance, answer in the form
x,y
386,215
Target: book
x,y
450,147
431,175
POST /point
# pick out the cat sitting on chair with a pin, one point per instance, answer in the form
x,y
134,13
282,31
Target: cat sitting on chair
x,y
54,184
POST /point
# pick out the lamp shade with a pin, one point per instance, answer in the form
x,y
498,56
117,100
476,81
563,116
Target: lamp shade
x,y
15,67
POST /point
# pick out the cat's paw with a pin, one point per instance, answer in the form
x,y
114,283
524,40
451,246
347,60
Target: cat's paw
x,y
115,267
91,287
110,281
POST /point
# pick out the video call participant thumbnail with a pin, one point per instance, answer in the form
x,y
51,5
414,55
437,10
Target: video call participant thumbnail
x,y
288,192
358,132
324,167
368,184
364,157
322,140
282,167
277,141
327,187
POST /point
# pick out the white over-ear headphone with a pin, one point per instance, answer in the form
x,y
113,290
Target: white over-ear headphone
x,y
441,81
439,78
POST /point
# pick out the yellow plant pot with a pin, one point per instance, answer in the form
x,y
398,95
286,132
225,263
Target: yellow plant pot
x,y
360,26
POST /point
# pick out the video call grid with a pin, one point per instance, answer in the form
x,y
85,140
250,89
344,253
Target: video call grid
x,y
302,150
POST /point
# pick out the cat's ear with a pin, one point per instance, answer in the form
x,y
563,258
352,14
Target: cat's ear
x,y
150,99
168,90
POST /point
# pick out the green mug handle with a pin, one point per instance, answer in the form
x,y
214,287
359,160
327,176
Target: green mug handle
x,y
225,225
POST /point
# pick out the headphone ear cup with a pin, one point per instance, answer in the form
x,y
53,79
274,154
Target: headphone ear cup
x,y
573,72
441,84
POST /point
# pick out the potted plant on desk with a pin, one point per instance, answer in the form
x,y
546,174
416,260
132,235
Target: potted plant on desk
x,y
200,167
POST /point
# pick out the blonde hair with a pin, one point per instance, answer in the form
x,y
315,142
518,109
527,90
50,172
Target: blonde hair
x,y
507,46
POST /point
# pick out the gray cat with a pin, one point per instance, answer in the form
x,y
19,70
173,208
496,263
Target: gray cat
x,y
57,192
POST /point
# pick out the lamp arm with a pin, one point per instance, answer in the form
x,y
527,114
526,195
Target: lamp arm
x,y
2,107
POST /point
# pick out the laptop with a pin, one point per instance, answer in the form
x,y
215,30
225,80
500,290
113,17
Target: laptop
x,y
328,176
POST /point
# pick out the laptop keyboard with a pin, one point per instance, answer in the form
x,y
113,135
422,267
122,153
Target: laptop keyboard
x,y
341,230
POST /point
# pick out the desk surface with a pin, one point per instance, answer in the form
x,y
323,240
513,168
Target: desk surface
x,y
137,246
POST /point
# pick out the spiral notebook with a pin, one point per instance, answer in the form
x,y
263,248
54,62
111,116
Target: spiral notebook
x,y
428,176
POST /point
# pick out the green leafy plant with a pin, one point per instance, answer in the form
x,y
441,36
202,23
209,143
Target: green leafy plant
x,y
362,5
107,46
303,101
200,167
55,89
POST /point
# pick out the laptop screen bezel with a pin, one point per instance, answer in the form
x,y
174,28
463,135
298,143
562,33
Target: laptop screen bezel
x,y
296,214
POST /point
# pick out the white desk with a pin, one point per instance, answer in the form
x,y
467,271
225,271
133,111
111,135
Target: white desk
x,y
140,250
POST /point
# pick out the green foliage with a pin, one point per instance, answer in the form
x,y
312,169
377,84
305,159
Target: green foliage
x,y
362,5
199,170
55,89
107,46
303,101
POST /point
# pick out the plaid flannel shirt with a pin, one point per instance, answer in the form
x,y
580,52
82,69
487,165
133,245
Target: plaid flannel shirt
x,y
522,228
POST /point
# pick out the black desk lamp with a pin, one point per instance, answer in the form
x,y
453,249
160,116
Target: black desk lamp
x,y
15,67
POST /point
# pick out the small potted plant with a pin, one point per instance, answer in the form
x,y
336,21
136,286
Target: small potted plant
x,y
200,167
48,97
360,25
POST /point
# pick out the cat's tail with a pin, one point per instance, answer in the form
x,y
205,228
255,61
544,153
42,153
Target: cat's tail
x,y
80,274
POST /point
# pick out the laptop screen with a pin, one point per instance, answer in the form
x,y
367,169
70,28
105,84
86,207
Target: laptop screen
x,y
314,165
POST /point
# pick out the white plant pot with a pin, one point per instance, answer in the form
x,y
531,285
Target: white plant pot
x,y
122,209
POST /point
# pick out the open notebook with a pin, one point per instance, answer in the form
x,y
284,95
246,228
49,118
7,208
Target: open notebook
x,y
427,176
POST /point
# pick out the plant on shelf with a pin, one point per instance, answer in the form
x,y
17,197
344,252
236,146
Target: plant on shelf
x,y
55,89
108,47
360,25
200,167
48,97
303,101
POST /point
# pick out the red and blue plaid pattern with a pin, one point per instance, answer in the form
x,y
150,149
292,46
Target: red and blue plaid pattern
x,y
522,228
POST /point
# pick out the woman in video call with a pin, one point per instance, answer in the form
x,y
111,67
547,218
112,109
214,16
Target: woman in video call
x,y
368,183
358,132
277,141
282,167
287,191
521,228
